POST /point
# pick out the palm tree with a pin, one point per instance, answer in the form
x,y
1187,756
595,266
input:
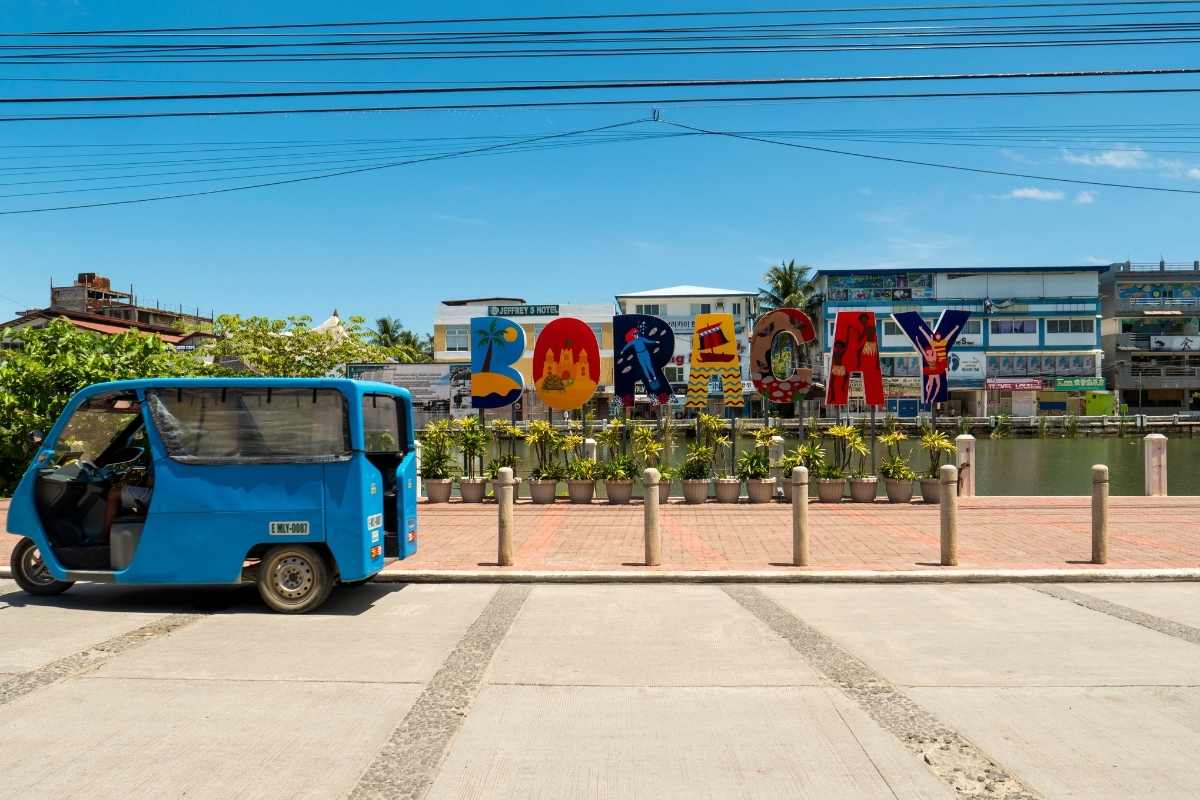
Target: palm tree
x,y
404,345
387,332
416,345
789,285
489,338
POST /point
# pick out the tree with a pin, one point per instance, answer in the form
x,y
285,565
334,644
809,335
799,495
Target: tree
x,y
387,333
407,347
41,368
289,348
491,337
789,285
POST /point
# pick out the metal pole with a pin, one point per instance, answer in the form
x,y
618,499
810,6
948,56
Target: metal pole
x,y
800,516
949,515
504,495
650,516
1099,514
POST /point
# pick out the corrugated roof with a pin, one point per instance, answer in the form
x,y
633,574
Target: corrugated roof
x,y
688,291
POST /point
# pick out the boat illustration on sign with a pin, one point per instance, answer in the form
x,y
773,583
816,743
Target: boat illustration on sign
x,y
712,337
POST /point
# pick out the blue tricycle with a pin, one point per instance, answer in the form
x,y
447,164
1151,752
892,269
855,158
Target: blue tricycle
x,y
294,484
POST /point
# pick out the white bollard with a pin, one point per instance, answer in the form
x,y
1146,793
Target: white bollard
x,y
965,460
777,443
800,516
1156,465
949,515
503,485
589,448
1099,514
650,479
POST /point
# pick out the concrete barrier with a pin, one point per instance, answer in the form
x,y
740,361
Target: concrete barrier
x,y
799,479
1155,446
504,486
949,515
1099,514
964,459
650,479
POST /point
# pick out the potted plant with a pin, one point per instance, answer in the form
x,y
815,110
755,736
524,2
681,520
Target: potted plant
x,y
898,475
711,435
864,487
669,475
437,463
831,485
647,449
472,443
808,454
618,474
697,466
544,442
754,467
937,445
504,437
581,479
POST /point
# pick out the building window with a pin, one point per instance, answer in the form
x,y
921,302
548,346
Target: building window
x,y
737,309
891,329
701,308
973,326
1070,326
653,309
458,339
1017,327
598,331
673,374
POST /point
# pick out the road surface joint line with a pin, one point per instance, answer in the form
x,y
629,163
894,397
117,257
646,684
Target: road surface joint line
x,y
92,657
409,760
950,756
1155,623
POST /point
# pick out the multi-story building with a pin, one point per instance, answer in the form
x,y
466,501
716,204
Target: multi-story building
x,y
1032,344
452,342
1151,335
678,307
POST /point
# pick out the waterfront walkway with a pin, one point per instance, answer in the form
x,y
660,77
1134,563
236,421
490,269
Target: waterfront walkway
x,y
994,533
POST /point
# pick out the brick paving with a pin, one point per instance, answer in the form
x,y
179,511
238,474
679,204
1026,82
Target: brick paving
x,y
994,533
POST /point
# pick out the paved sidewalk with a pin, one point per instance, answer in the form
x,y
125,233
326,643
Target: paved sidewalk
x,y
994,533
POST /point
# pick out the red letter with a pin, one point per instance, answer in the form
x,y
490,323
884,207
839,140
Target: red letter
x,y
855,349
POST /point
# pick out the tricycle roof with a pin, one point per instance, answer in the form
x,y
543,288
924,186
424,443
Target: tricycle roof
x,y
352,388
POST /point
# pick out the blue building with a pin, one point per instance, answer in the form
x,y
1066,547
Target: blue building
x,y
1032,344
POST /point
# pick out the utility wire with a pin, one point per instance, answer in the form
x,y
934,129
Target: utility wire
x,y
357,170
937,165
607,85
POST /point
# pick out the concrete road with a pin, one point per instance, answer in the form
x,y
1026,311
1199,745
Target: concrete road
x,y
663,691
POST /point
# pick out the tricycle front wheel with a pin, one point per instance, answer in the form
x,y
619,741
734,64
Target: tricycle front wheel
x,y
294,579
30,571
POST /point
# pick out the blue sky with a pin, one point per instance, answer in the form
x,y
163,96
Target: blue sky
x,y
581,224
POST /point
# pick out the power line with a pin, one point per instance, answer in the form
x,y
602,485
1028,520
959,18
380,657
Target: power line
x,y
610,85
354,171
602,103
934,164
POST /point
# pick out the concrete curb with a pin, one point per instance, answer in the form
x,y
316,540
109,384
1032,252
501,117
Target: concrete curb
x,y
780,576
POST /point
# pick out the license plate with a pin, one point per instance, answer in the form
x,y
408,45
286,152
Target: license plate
x,y
289,528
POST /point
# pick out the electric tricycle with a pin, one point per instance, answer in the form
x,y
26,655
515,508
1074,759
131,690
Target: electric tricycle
x,y
294,484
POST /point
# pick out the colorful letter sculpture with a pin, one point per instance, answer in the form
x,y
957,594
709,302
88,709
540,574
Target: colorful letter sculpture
x,y
566,364
496,344
780,322
714,355
855,349
643,345
934,348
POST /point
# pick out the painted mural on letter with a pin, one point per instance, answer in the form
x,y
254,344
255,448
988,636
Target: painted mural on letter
x,y
772,325
934,348
566,364
855,350
714,355
644,345
496,344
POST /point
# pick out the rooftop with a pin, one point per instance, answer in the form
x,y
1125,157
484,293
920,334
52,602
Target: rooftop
x,y
896,270
690,291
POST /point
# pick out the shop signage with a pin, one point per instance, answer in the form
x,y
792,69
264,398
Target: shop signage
x,y
1015,384
1079,384
892,387
1177,344
967,369
522,311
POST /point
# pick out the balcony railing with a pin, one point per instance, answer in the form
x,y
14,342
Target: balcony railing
x,y
1136,371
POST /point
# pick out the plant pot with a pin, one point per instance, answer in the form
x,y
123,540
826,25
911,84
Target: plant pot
x,y
437,490
728,490
695,491
931,490
830,490
760,490
898,491
618,492
664,491
581,491
864,490
542,492
472,490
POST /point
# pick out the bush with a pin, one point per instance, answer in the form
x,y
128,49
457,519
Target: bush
x,y
437,463
754,465
583,469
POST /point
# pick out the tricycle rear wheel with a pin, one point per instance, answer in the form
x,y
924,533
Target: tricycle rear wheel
x,y
30,571
294,579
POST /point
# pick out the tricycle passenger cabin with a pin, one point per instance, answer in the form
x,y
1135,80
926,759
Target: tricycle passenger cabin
x,y
296,484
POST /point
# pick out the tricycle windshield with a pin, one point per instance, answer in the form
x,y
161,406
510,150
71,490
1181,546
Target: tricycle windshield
x,y
94,426
251,426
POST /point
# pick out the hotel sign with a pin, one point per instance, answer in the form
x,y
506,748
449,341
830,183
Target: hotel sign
x,y
523,311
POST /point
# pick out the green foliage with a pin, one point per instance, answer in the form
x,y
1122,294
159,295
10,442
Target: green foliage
x,y
697,464
289,348
405,346
789,285
552,471
1071,426
936,445
40,368
1043,427
545,442
583,469
437,443
896,464
619,468
647,447
471,440
754,464
847,444
808,454
612,438
1003,428
492,470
